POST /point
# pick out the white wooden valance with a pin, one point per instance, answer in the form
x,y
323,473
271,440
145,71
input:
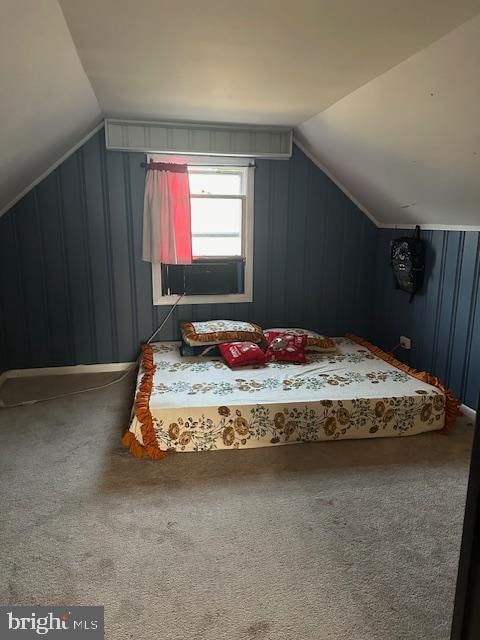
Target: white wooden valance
x,y
192,138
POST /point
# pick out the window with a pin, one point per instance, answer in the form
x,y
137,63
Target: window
x,y
221,199
217,200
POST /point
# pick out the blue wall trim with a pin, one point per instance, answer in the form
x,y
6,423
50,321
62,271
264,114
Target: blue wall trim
x,y
444,319
74,289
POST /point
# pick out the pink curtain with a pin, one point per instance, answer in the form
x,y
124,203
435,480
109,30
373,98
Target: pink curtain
x,y
167,235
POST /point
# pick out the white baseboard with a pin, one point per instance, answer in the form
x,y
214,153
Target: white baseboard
x,y
62,371
469,413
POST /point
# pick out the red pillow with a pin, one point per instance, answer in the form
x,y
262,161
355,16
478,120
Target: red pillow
x,y
285,347
239,354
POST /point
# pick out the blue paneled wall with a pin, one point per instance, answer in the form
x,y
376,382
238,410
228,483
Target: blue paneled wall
x,y
444,320
73,288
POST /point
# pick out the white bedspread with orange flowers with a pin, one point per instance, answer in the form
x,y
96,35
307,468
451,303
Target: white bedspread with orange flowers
x,y
201,404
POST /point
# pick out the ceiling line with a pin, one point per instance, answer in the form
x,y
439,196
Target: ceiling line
x,y
51,168
303,147
380,225
431,227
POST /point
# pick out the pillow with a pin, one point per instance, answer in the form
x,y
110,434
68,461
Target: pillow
x,y
187,351
315,341
239,354
285,347
218,331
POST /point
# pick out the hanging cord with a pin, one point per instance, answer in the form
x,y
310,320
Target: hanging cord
x,y
134,367
395,348
70,393
166,318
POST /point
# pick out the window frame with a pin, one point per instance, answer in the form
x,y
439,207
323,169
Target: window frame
x,y
247,233
213,196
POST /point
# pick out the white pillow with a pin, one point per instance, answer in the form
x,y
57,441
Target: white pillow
x,y
219,331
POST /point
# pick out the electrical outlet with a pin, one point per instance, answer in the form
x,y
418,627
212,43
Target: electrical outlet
x,y
405,343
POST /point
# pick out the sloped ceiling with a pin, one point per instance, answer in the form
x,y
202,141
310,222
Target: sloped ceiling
x,y
47,103
257,61
405,155
407,144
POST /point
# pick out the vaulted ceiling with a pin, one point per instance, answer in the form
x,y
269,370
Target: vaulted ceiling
x,y
407,144
46,101
352,77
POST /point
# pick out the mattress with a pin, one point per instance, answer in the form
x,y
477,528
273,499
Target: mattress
x,y
199,403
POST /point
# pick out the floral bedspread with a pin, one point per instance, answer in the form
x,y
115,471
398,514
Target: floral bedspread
x,y
199,403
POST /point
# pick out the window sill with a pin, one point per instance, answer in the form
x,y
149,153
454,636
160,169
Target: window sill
x,y
228,298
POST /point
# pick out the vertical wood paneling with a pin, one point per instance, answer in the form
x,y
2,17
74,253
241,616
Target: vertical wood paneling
x,y
277,268
32,280
471,380
332,287
346,311
74,288
98,255
318,301
3,344
418,353
365,261
88,261
294,280
127,344
13,304
260,256
108,249
466,287
131,249
444,319
75,250
434,281
55,273
297,236
313,235
454,304
446,304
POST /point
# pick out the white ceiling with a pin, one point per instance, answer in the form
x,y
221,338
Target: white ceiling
x,y
407,144
405,155
256,61
46,102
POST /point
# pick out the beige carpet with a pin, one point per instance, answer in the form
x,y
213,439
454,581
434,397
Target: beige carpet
x,y
353,540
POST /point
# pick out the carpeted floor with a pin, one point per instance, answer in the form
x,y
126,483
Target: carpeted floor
x,y
353,540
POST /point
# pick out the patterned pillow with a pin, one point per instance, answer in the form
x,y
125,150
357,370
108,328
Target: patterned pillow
x,y
239,354
218,331
315,341
285,347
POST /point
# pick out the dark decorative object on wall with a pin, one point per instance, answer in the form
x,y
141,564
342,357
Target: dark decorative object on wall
x,y
443,320
408,263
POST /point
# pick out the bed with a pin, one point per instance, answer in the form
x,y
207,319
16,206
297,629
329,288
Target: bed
x,y
200,404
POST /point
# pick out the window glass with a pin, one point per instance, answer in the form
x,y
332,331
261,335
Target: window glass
x,y
215,183
216,226
216,215
210,246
